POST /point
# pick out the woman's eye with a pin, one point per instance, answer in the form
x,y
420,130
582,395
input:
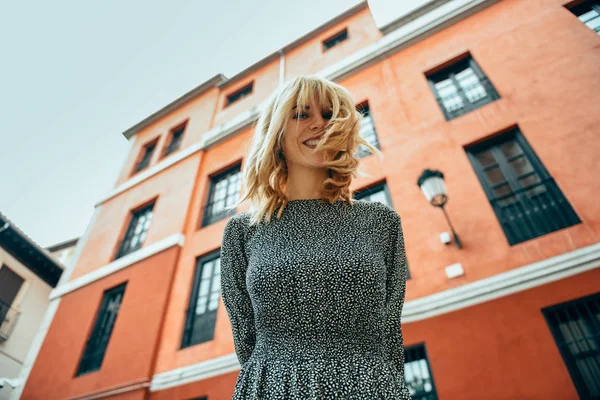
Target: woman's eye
x,y
299,115
327,115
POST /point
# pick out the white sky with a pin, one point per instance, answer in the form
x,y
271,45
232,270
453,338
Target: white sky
x,y
75,74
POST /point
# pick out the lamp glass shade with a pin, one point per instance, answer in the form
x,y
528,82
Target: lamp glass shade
x,y
434,190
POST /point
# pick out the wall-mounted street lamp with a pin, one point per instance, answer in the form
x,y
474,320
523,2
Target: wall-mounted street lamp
x,y
432,185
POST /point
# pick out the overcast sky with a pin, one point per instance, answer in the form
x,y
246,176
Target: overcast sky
x,y
75,74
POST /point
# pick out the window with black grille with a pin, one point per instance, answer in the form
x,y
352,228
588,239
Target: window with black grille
x,y
575,326
174,140
224,191
144,160
97,343
136,231
527,201
588,12
240,94
367,131
461,87
335,39
204,301
417,373
381,194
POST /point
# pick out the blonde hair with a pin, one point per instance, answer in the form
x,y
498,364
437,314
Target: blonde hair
x,y
265,172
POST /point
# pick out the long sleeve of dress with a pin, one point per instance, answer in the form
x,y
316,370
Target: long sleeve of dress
x,y
233,289
395,290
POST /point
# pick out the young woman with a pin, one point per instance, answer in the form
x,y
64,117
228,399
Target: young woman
x,y
312,280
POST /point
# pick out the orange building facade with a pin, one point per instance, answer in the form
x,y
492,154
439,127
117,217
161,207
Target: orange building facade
x,y
502,97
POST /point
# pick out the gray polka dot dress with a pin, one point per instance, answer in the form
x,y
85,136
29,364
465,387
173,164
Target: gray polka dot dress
x,y
315,299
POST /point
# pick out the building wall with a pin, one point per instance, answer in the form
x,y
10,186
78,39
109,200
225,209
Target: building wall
x,y
171,189
31,303
199,114
135,336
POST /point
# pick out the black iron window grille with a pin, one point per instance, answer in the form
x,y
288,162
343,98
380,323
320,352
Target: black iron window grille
x,y
224,191
136,231
146,157
240,94
417,373
204,301
335,39
95,348
588,12
461,87
575,326
381,194
175,142
367,131
527,201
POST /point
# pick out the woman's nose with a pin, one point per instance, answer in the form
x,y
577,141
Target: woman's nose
x,y
318,122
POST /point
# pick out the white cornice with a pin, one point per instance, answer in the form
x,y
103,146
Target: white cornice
x,y
418,28
175,239
504,284
195,372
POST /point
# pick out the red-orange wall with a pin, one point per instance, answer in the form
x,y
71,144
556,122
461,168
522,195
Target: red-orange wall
x,y
130,353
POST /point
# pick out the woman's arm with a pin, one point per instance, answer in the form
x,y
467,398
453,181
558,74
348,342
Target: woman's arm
x,y
233,289
395,290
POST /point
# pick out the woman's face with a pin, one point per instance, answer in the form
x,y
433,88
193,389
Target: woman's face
x,y
301,126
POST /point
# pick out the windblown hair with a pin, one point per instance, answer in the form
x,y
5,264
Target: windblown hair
x,y
265,172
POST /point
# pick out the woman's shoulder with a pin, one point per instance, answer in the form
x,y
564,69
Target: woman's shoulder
x,y
376,208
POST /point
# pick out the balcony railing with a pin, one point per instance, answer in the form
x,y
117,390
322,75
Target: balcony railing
x,y
533,211
8,320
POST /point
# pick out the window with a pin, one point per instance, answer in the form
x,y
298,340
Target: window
x,y
588,12
144,161
367,131
575,326
239,94
204,300
224,191
136,232
174,140
461,87
375,193
10,284
378,193
525,198
95,347
335,39
417,373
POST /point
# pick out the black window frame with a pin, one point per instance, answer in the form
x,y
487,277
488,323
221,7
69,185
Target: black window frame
x,y
363,193
239,94
335,39
583,313
175,139
208,217
145,159
449,72
98,340
522,214
365,110
414,353
124,247
580,8
199,331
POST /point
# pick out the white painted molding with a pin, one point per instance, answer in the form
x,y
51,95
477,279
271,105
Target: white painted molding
x,y
175,239
195,372
504,284
428,23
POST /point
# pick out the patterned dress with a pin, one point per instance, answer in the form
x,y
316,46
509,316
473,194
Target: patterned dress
x,y
315,299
